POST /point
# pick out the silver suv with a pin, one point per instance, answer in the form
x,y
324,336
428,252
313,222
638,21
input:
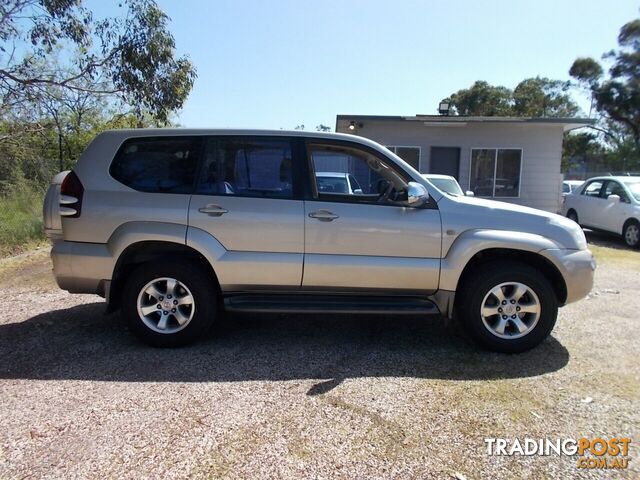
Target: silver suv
x,y
176,226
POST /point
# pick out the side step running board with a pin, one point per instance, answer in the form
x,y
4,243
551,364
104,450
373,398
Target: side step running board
x,y
329,304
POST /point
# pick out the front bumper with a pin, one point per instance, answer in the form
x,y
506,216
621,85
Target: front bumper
x,y
577,268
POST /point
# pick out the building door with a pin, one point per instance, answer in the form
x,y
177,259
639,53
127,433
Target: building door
x,y
445,161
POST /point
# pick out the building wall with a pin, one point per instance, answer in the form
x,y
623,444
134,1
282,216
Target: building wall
x,y
540,179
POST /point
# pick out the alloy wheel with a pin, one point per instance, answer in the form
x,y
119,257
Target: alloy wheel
x,y
165,305
510,310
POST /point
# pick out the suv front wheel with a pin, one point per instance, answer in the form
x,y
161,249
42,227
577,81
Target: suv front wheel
x,y
169,304
508,307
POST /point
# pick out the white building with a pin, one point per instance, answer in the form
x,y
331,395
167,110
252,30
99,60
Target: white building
x,y
505,158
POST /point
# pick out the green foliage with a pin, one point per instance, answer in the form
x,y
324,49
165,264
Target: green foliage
x,y
20,217
52,47
543,97
483,99
579,146
617,95
533,97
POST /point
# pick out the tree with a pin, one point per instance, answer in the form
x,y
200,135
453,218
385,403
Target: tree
x,y
532,97
617,95
543,97
482,99
579,146
129,59
323,128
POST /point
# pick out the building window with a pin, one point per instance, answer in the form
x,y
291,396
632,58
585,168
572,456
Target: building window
x,y
495,172
411,155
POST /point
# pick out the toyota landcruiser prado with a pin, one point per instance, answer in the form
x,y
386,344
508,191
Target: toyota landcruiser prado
x,y
176,226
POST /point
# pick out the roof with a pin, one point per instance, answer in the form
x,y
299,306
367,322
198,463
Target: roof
x,y
620,178
461,120
437,176
160,132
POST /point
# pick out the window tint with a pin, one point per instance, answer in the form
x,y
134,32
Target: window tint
x,y
593,189
247,167
566,188
157,164
495,172
369,175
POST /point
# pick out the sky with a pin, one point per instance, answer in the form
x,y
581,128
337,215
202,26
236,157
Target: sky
x,y
282,63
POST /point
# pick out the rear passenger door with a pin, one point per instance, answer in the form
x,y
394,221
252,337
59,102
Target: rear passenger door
x,y
245,198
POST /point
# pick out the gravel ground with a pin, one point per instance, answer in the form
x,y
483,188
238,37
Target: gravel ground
x,y
307,396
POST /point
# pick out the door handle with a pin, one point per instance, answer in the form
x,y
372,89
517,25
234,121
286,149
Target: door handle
x,y
213,210
324,215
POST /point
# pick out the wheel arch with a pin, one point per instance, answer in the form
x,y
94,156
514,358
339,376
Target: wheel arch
x,y
146,251
474,247
627,222
545,266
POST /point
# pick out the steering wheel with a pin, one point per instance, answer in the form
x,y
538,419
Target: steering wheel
x,y
385,189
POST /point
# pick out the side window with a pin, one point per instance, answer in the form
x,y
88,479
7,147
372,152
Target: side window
x,y
247,167
157,164
614,188
372,179
593,189
566,188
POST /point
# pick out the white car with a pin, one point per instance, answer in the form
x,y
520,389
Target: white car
x,y
570,186
447,184
338,182
607,203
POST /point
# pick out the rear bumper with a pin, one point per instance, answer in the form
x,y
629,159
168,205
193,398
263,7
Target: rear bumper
x,y
577,268
82,267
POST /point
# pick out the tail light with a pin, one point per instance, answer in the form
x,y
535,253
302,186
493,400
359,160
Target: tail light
x,y
71,192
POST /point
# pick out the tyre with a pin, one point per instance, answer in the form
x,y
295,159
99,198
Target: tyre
x,y
508,306
169,304
631,234
572,215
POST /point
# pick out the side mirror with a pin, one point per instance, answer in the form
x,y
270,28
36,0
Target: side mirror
x,y
417,194
613,198
469,193
357,191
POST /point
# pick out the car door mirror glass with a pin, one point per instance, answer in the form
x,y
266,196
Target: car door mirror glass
x,y
417,194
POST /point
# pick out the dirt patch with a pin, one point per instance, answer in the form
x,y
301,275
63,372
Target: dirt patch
x,y
305,396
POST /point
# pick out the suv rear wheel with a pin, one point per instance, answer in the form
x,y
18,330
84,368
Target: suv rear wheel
x,y
508,307
169,305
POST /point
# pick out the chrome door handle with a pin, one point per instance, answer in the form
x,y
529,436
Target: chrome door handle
x,y
213,210
324,215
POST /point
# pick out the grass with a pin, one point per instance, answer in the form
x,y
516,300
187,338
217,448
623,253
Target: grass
x,y
21,225
616,256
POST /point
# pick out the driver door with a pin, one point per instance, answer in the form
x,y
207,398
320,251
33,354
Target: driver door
x,y
369,240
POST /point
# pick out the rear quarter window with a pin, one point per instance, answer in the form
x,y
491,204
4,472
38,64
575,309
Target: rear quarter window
x,y
157,164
